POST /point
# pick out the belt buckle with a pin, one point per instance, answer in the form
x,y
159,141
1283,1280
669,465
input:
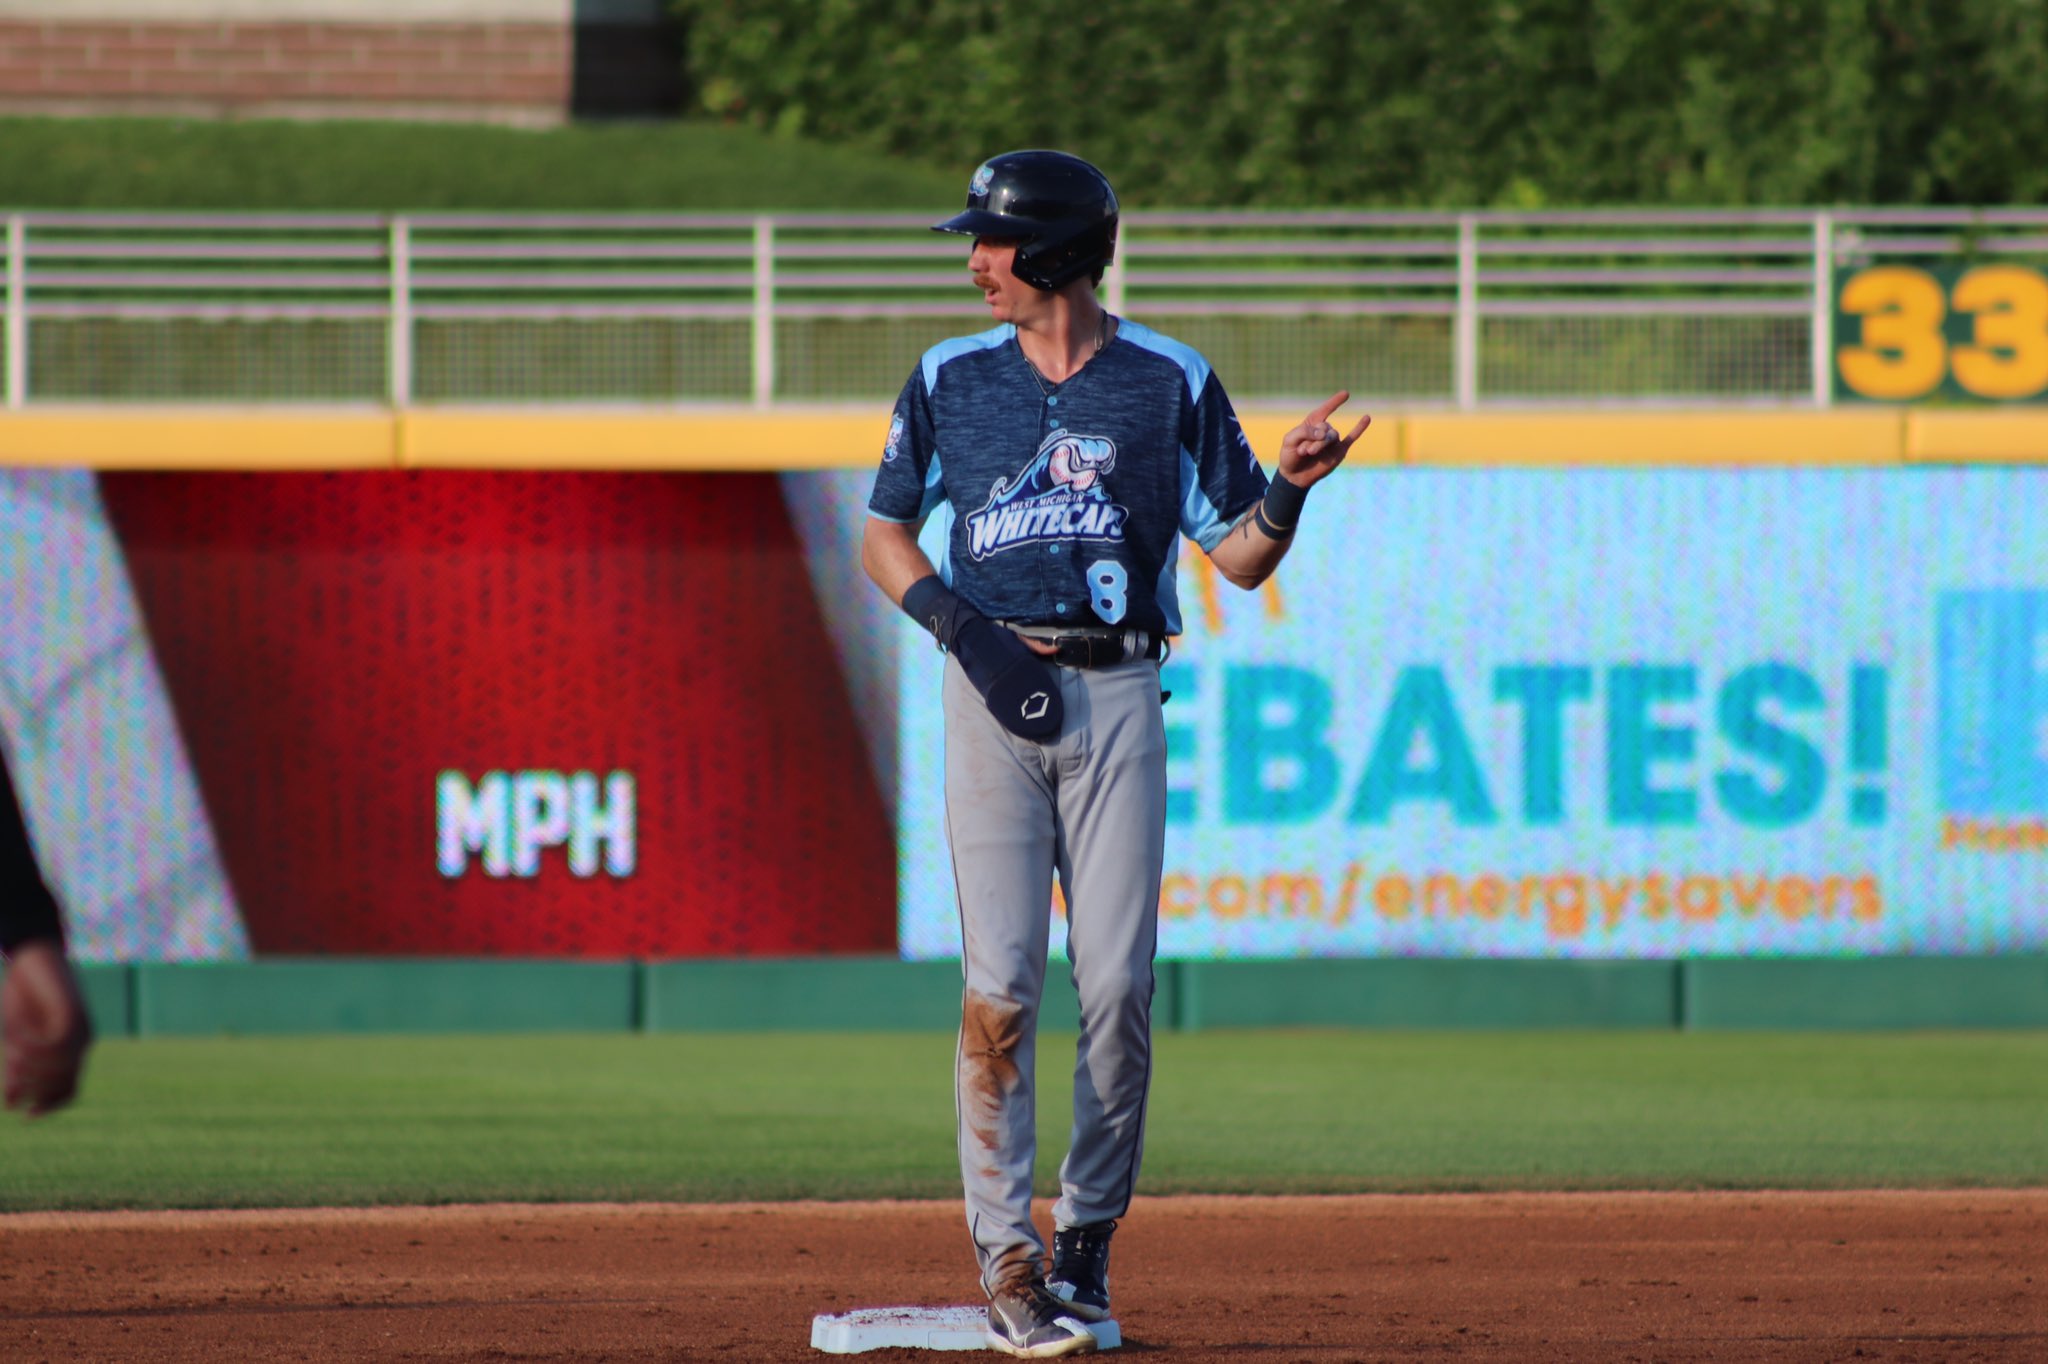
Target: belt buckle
x,y
1079,651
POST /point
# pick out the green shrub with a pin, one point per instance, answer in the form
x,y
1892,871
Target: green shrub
x,y
1418,102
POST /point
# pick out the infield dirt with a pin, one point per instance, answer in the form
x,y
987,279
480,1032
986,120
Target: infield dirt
x,y
1603,1278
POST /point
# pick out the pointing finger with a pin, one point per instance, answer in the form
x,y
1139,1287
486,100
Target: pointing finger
x,y
1359,429
1326,407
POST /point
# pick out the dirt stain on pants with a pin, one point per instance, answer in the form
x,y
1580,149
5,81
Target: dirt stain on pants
x,y
991,1106
990,1031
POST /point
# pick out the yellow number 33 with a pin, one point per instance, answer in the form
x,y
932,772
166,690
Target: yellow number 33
x,y
1903,354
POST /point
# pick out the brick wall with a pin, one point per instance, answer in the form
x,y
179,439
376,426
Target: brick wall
x,y
474,70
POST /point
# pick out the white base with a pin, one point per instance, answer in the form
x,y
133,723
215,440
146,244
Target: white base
x,y
920,1328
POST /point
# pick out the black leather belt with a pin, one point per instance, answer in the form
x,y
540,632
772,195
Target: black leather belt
x,y
1101,649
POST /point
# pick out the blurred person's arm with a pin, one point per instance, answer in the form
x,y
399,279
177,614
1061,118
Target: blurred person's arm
x,y
42,1016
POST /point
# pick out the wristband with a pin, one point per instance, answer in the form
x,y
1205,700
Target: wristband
x,y
937,608
1280,512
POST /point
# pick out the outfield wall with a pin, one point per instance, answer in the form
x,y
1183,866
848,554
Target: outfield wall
x,y
868,994
257,650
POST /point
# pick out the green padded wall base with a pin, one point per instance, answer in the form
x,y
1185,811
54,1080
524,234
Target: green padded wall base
x,y
320,994
307,994
1868,992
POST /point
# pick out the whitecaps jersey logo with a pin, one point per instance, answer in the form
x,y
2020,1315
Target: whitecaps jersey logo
x,y
894,445
1059,496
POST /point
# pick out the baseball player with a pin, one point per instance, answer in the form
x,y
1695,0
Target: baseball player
x,y
1064,448
42,1016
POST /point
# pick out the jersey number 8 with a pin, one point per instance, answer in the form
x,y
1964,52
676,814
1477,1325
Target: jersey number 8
x,y
1109,583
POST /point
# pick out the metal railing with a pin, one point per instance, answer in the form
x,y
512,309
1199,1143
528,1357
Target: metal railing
x,y
1444,309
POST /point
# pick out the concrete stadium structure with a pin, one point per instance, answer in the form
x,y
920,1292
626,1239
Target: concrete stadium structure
x,y
529,62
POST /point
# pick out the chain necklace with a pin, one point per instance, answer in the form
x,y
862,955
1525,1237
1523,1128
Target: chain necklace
x,y
1101,339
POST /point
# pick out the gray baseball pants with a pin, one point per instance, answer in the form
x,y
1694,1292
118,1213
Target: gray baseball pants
x,y
1090,806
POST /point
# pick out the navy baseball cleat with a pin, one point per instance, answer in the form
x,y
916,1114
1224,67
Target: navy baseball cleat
x,y
1026,1320
1080,1269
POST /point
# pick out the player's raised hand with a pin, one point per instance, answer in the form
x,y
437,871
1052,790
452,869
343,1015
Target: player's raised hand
x,y
1312,450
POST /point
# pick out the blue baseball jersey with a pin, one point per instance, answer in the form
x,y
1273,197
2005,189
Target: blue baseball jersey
x,y
1062,502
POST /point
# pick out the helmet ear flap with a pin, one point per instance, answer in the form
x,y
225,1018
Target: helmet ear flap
x,y
1052,260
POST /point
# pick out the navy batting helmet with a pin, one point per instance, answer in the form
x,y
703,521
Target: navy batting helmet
x,y
1059,208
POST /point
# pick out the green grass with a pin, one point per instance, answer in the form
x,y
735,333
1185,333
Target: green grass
x,y
112,163
356,1120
